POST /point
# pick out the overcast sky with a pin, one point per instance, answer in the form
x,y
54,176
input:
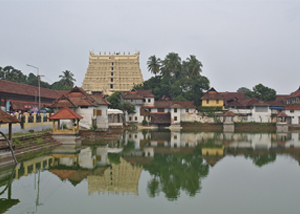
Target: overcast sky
x,y
240,43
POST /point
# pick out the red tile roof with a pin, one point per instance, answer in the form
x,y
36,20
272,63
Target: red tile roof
x,y
65,113
23,105
174,104
78,97
292,107
137,94
7,118
212,94
295,93
229,114
282,114
228,96
23,89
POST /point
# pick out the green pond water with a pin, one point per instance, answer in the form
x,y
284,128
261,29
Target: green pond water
x,y
160,172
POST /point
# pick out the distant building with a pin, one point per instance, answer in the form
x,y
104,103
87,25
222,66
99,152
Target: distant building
x,y
21,97
93,108
112,72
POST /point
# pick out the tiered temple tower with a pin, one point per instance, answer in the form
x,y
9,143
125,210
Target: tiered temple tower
x,y
112,72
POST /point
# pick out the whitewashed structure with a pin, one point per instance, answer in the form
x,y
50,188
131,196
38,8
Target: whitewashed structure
x,y
93,108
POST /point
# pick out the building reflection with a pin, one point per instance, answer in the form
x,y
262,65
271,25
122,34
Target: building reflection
x,y
177,161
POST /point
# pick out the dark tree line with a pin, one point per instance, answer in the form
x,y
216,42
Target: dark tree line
x,y
10,73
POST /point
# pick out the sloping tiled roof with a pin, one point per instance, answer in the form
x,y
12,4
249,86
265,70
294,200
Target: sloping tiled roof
x,y
62,102
229,114
160,117
212,94
282,114
100,99
295,93
24,105
249,102
174,104
23,89
228,96
65,113
292,107
279,101
137,94
260,103
7,118
78,97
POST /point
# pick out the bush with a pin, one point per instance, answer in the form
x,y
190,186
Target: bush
x,y
144,122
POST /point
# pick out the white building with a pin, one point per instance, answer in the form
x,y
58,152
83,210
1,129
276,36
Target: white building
x,y
93,108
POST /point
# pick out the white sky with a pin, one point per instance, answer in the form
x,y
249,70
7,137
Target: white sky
x,y
240,43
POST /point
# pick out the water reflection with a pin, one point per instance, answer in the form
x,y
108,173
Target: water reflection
x,y
177,162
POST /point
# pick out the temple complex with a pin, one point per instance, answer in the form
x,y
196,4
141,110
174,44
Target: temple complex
x,y
112,72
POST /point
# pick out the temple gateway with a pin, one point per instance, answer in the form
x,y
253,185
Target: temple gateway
x,y
112,72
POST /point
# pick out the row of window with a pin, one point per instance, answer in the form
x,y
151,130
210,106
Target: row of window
x,y
207,101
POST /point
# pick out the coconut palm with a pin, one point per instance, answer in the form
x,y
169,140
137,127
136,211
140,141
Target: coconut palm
x,y
171,66
67,78
192,66
153,64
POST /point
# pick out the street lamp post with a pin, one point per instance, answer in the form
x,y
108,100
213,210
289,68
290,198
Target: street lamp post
x,y
39,79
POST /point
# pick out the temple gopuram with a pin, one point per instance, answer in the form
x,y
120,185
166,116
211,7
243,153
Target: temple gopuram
x,y
112,72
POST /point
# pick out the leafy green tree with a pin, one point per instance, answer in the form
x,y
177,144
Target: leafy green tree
x,y
153,64
60,86
243,89
262,92
67,78
126,106
115,100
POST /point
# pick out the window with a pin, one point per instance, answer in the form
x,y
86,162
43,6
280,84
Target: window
x,y
175,137
135,118
149,109
207,101
149,100
175,110
129,118
97,112
175,118
291,111
111,79
111,86
217,101
261,109
112,63
112,68
112,73
187,110
144,100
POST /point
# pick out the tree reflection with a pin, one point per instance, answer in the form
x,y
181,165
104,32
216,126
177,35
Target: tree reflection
x,y
175,172
262,159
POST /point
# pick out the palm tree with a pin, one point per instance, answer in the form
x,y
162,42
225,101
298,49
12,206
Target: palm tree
x,y
192,66
67,78
153,64
171,66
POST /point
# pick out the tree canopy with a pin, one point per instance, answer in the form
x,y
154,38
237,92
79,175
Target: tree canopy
x,y
115,103
12,74
262,92
178,81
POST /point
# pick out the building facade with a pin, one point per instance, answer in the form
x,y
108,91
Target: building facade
x,y
112,72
